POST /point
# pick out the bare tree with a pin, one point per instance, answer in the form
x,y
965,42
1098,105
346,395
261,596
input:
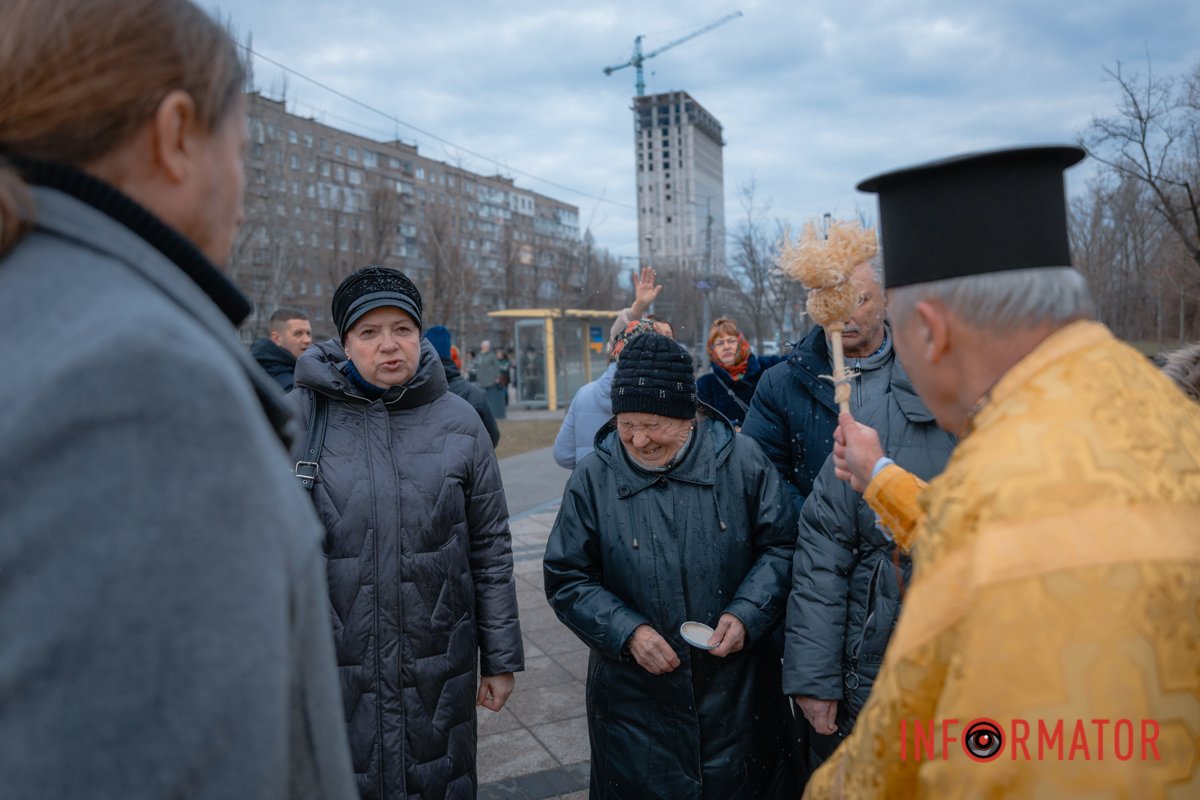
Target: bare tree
x,y
752,263
382,221
1154,139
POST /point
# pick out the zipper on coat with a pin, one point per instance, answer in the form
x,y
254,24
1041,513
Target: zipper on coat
x,y
852,676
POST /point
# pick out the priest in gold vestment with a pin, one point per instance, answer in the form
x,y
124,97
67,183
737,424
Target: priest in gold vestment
x,y
1049,645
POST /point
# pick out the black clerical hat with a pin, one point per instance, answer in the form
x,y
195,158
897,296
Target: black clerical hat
x,y
975,213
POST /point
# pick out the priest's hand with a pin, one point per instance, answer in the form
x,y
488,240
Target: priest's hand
x,y
652,652
821,714
494,690
855,450
729,637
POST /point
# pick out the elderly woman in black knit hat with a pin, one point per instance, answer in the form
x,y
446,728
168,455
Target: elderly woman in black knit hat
x,y
417,544
671,560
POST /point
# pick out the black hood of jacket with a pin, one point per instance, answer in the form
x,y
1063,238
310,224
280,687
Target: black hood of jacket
x,y
713,432
321,369
264,351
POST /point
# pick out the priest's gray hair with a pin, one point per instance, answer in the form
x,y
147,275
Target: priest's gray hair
x,y
1002,301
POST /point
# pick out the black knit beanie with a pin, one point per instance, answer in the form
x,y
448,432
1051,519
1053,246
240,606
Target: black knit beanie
x,y
370,288
654,375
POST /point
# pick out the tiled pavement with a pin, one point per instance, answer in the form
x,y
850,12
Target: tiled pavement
x,y
537,747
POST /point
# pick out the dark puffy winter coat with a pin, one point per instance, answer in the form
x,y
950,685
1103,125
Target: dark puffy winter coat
x,y
732,398
275,361
420,572
473,394
630,547
793,414
848,578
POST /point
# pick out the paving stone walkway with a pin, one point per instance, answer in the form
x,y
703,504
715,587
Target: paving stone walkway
x,y
537,747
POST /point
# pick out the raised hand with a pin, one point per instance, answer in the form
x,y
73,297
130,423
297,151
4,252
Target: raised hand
x,y
644,292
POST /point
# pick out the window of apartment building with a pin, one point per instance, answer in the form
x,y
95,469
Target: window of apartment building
x,y
421,193
294,161
314,240
312,166
355,177
296,187
317,289
272,133
421,173
277,157
325,169
370,159
451,182
337,148
298,236
324,145
293,137
320,314
339,173
353,152
393,162
308,140
303,287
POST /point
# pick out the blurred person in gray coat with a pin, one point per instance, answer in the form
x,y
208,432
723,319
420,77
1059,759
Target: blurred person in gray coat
x,y
417,545
163,624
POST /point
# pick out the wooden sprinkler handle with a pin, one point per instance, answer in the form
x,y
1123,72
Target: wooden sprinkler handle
x,y
841,390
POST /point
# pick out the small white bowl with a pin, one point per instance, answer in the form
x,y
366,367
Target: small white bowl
x,y
697,634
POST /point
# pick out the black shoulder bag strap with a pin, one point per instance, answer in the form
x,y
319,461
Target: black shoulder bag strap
x,y
745,408
309,465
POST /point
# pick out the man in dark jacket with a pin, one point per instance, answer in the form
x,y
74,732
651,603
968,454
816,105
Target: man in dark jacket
x,y
848,578
439,337
792,414
417,545
290,336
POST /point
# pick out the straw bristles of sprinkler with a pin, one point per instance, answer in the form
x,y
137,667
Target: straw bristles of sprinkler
x,y
823,265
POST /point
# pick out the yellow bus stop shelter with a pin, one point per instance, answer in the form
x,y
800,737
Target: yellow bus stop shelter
x,y
580,317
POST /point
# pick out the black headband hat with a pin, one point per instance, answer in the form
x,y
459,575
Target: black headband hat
x,y
973,214
370,288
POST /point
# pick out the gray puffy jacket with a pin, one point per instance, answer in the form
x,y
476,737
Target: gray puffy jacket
x,y
420,572
848,578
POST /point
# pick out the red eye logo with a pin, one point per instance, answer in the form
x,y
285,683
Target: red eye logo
x,y
982,740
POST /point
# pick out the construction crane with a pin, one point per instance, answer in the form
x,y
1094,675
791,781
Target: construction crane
x,y
637,59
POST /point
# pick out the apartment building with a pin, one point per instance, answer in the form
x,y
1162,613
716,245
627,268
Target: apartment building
x,y
680,191
322,202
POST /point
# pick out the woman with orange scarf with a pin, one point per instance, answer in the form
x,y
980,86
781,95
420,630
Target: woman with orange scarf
x,y
735,371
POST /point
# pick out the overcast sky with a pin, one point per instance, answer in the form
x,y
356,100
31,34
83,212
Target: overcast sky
x,y
813,96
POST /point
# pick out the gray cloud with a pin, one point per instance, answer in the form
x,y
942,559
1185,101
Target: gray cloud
x,y
813,97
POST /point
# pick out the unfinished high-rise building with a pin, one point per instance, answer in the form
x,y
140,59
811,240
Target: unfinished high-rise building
x,y
681,197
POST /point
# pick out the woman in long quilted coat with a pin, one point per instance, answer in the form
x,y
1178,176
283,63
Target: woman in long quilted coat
x,y
675,518
417,545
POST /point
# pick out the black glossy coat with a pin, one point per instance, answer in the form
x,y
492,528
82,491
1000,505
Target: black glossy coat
x,y
715,534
